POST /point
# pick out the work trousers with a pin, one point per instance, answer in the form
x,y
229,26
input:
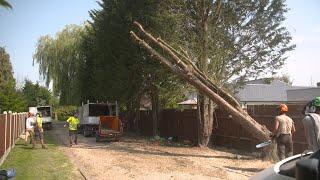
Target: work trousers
x,y
73,133
285,146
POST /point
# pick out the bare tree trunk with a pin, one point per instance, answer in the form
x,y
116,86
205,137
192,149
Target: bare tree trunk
x,y
205,113
155,110
205,120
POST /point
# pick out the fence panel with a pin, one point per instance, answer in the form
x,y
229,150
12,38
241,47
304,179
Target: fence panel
x,y
2,134
11,127
145,123
8,138
226,132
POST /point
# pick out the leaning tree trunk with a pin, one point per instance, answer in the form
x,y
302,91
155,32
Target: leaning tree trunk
x,y
177,66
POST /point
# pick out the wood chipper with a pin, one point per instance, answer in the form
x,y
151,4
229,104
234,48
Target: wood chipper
x,y
110,128
90,113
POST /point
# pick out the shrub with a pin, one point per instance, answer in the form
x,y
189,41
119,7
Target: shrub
x,y
64,112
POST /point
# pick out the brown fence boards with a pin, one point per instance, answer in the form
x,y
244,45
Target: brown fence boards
x,y
11,127
9,121
226,132
177,123
145,123
2,134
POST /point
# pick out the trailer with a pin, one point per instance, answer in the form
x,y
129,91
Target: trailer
x,y
46,114
90,113
110,128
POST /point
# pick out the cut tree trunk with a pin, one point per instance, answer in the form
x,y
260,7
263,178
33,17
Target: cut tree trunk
x,y
258,131
205,113
205,120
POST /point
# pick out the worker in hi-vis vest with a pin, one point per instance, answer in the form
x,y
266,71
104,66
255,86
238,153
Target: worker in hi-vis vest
x,y
72,123
38,130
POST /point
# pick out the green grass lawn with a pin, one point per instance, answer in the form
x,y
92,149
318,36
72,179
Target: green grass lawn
x,y
38,163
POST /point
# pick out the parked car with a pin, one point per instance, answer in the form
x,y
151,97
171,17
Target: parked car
x,y
298,167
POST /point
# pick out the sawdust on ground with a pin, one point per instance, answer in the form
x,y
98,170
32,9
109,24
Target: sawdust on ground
x,y
140,158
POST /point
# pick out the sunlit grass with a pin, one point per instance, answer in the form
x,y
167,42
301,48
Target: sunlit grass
x,y
38,163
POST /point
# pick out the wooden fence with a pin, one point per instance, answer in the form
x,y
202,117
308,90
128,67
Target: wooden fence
x,y
12,125
226,132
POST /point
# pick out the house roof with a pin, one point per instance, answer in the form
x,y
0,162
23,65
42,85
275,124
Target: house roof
x,y
303,94
189,102
258,91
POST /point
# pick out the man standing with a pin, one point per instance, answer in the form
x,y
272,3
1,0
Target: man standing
x,y
283,129
311,124
30,128
72,123
39,130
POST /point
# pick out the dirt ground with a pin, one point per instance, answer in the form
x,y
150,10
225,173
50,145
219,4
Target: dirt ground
x,y
142,158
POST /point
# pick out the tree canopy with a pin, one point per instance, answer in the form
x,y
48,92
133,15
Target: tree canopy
x,y
239,39
5,4
36,95
10,98
59,60
125,70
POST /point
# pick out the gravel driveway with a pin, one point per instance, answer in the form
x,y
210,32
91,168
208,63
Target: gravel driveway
x,y
140,158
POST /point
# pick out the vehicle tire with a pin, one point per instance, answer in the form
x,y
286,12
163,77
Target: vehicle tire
x,y
97,138
80,130
50,126
86,133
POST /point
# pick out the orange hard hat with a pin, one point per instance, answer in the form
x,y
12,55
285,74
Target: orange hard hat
x,y
283,108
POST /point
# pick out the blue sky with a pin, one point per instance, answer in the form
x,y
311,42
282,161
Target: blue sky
x,y
303,21
21,27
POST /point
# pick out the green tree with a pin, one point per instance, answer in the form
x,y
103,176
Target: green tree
x,y
284,77
59,61
6,73
5,4
231,41
120,70
36,95
10,98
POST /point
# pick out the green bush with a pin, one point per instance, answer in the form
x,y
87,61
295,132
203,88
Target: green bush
x,y
64,112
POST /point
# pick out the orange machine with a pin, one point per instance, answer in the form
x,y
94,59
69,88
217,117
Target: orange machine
x,y
110,128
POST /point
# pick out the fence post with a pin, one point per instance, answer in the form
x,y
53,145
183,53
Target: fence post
x,y
18,123
17,127
5,135
14,128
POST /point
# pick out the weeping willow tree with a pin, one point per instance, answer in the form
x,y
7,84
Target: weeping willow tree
x,y
59,59
5,4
